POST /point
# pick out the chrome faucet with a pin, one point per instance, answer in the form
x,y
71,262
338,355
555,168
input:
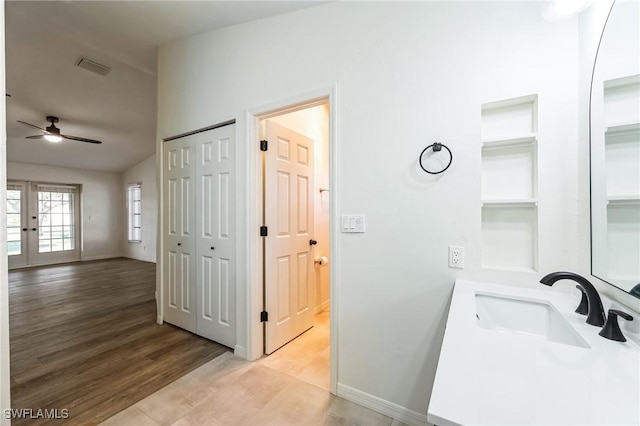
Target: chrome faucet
x,y
596,311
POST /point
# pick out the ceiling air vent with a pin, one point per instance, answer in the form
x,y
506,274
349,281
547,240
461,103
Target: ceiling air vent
x,y
95,67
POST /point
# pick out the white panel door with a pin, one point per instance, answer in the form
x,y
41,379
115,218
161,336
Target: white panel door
x,y
215,242
179,295
289,210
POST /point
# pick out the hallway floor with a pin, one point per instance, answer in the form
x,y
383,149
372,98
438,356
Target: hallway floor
x,y
289,387
307,357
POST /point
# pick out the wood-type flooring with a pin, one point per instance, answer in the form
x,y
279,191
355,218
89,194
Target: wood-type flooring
x,y
84,338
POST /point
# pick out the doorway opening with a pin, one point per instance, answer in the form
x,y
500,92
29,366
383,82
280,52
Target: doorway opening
x,y
293,192
295,180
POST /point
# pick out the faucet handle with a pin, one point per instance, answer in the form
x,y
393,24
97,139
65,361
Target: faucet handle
x,y
583,307
611,329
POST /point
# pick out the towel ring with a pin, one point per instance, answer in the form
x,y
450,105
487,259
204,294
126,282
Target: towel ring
x,y
437,146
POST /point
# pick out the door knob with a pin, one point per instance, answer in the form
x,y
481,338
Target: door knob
x,y
33,217
179,244
312,242
213,248
24,229
33,229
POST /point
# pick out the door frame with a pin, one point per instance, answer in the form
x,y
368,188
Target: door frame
x,y
326,95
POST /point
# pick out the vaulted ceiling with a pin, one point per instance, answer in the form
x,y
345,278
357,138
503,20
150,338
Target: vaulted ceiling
x,y
44,41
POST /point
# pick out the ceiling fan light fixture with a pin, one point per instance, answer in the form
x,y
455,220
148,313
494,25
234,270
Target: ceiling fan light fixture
x,y
53,138
53,133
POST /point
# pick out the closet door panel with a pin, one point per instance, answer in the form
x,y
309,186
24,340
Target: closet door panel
x,y
216,247
179,259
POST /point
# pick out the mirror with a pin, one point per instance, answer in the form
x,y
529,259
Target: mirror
x,y
615,151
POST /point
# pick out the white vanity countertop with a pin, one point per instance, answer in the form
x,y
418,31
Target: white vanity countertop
x,y
486,377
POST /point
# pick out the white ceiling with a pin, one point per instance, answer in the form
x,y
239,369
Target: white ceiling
x,y
45,39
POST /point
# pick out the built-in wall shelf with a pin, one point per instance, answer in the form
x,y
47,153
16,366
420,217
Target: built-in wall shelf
x,y
516,140
509,237
511,269
623,199
509,185
617,128
510,203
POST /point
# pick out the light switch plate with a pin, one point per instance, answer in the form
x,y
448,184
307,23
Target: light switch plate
x,y
352,223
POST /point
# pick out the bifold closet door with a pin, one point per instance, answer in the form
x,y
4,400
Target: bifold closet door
x,y
199,243
178,258
215,242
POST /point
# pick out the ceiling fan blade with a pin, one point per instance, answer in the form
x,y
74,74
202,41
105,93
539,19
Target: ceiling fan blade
x,y
79,139
35,137
32,125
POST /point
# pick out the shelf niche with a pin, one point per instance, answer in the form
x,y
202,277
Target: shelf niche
x,y
622,165
509,184
509,237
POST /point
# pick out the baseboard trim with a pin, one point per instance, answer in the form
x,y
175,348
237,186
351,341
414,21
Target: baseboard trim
x,y
324,306
382,406
100,257
240,351
141,259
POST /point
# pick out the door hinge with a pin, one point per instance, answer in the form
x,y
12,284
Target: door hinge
x,y
263,231
264,316
264,145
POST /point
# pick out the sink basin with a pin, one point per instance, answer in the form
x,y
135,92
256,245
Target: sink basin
x,y
536,318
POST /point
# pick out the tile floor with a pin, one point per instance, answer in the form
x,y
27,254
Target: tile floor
x,y
289,387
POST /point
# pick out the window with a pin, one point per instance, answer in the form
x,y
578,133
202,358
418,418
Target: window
x,y
56,219
134,213
14,220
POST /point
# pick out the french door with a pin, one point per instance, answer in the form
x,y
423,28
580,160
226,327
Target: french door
x,y
42,223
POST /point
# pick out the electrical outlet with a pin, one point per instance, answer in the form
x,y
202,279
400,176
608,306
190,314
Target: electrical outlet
x,y
456,257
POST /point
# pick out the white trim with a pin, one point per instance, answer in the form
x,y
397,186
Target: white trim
x,y
240,351
253,199
323,306
84,259
5,382
253,221
382,406
159,235
99,257
140,258
334,232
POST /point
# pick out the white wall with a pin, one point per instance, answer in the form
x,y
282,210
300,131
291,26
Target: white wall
x,y
314,123
102,201
5,382
407,74
145,174
591,24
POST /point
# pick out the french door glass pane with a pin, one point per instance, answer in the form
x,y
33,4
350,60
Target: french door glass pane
x,y
14,222
55,212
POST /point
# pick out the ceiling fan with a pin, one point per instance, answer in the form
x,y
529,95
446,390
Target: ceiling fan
x,y
52,133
